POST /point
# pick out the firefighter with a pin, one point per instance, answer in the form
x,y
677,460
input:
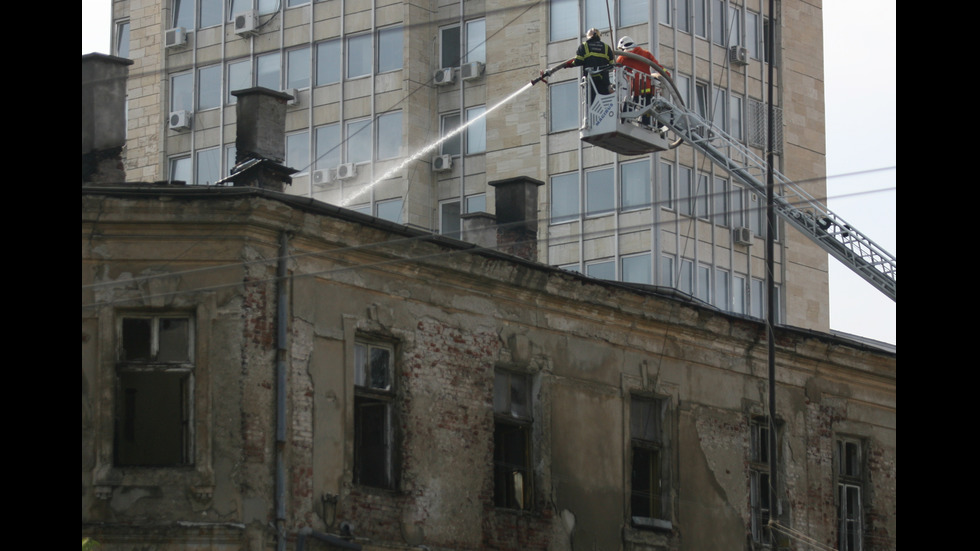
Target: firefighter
x,y
641,85
596,55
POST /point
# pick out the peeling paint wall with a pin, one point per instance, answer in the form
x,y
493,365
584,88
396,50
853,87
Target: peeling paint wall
x,y
452,317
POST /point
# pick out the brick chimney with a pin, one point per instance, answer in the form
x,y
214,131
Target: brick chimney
x,y
517,216
103,117
260,144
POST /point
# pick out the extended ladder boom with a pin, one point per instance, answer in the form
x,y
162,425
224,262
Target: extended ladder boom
x,y
840,239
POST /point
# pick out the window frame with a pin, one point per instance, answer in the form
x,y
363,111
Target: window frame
x,y
759,475
850,482
387,32
567,114
362,59
369,396
642,442
184,369
513,425
570,212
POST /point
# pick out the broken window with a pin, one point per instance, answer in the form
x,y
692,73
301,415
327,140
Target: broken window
x,y
850,482
374,459
759,491
512,481
154,392
650,482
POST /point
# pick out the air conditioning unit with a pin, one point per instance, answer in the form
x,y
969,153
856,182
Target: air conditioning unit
x,y
738,55
444,76
324,176
246,23
292,92
175,37
442,163
346,170
471,70
180,120
742,236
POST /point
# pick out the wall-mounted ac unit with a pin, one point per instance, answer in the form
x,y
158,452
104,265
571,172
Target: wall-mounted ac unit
x,y
346,170
738,55
471,70
246,23
180,120
324,176
742,236
444,76
442,163
292,92
175,37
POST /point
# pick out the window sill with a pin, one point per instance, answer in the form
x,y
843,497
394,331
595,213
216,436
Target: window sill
x,y
655,524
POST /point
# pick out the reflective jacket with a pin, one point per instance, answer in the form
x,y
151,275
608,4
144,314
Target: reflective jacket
x,y
593,53
641,83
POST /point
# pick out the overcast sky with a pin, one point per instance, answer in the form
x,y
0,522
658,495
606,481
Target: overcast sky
x,y
859,65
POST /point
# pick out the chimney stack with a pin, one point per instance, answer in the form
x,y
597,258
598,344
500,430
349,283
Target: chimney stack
x,y
260,143
517,216
103,117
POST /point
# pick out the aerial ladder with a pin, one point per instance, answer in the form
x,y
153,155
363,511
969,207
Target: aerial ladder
x,y
615,121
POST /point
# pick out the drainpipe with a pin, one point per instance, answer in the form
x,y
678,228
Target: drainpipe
x,y
281,325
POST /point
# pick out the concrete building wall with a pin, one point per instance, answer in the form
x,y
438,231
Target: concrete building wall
x,y
519,138
452,317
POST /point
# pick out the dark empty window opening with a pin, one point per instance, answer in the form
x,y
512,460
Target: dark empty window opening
x,y
154,378
850,484
512,475
649,473
759,487
374,439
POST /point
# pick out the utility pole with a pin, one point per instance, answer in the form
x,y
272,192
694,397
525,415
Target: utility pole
x,y
770,275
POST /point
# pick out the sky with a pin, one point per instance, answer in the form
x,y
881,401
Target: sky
x,y
860,102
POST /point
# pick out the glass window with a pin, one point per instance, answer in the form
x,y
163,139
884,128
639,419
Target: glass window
x,y
564,106
449,223
664,12
759,480
637,269
684,15
359,56
600,195
180,169
722,296
596,16
719,27
666,185
752,34
449,44
737,207
239,77
298,151
634,181
757,297
476,203
122,39
359,141
230,152
390,210
734,25
209,87
328,62
719,115
701,18
735,108
184,14
390,50
294,3
703,193
450,123
850,486
476,37
605,269
267,69
704,283
210,13
685,280
563,19
390,135
208,167
564,198
182,92
298,68
328,146
721,196
738,294
634,12
685,196
476,133
667,271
